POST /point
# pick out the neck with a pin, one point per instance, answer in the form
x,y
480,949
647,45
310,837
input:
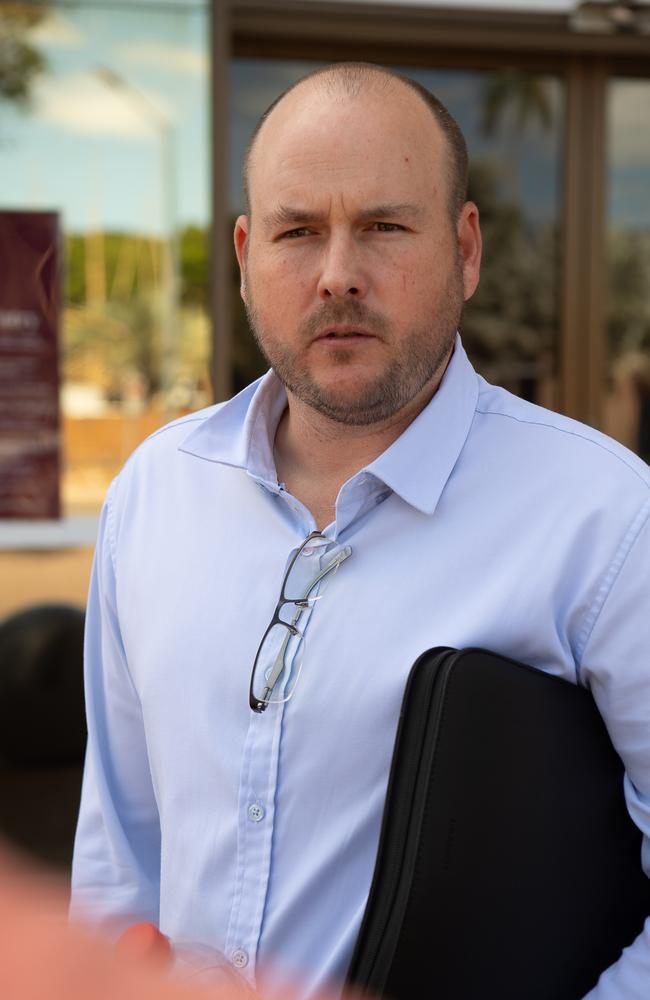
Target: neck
x,y
315,455
318,446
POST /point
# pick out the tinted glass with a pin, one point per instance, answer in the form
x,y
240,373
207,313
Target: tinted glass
x,y
104,120
627,396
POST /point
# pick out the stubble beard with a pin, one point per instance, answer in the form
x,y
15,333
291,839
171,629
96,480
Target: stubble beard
x,y
423,353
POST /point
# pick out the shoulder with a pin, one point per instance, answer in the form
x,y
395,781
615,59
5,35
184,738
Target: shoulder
x,y
158,459
548,442
172,434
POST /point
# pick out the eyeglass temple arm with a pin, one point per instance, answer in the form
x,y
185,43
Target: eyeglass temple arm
x,y
340,557
278,663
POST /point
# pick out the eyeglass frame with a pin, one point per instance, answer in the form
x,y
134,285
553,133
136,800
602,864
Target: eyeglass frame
x,y
302,604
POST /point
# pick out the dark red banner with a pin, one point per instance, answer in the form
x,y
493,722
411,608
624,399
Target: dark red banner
x,y
29,364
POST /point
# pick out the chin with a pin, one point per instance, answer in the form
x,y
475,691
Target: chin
x,y
358,405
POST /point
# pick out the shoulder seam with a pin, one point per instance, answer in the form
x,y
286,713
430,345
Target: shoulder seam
x,y
189,419
571,433
181,422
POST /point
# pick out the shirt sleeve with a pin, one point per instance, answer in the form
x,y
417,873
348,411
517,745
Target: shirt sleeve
x,y
616,666
116,863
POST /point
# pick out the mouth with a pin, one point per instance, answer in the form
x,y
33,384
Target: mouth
x,y
343,333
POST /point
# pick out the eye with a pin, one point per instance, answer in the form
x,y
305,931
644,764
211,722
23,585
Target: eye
x,y
387,227
293,234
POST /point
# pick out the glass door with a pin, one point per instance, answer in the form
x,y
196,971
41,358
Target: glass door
x,y
626,410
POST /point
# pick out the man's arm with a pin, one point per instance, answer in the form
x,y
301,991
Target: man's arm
x,y
116,862
616,666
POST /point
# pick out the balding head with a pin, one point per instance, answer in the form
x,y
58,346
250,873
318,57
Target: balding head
x,y
360,248
354,81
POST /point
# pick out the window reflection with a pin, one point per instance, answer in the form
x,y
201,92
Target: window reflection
x,y
627,397
512,122
103,119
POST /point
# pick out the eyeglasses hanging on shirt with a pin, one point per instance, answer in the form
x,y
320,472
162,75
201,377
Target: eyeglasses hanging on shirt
x,y
280,656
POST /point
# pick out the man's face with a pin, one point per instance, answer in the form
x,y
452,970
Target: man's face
x,y
353,274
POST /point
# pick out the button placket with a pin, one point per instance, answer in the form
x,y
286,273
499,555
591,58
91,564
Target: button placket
x,y
256,797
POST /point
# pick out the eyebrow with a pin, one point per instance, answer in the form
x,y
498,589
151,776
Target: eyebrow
x,y
286,215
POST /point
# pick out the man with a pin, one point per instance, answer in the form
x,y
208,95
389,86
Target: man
x,y
244,814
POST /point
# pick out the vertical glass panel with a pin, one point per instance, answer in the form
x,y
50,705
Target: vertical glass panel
x,y
104,120
512,122
104,143
627,396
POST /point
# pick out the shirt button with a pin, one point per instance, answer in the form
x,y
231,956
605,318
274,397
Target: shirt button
x,y
255,812
240,958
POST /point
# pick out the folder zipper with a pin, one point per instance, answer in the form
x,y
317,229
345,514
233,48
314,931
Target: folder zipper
x,y
402,823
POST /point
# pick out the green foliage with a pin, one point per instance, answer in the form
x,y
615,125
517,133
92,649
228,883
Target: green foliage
x,y
628,319
20,62
194,268
518,97
512,320
129,265
132,265
74,274
113,320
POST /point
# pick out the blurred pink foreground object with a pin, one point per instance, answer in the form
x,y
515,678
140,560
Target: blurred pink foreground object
x,y
144,941
200,964
44,957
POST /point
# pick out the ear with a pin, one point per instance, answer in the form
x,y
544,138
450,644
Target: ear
x,y
469,246
240,236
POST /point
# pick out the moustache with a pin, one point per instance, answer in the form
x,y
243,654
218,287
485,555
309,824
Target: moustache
x,y
352,313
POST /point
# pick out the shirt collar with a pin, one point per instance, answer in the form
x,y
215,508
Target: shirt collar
x,y
416,466
241,431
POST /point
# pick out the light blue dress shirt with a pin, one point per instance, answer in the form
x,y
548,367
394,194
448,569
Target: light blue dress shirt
x,y
490,522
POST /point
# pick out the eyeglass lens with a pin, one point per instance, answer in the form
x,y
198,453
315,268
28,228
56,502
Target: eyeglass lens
x,y
280,657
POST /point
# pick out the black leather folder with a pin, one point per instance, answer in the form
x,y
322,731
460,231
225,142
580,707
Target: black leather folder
x,y
508,866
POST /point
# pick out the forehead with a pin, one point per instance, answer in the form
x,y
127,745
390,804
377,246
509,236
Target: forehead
x,y
379,145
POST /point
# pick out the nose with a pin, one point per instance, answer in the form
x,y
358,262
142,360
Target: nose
x,y
342,274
